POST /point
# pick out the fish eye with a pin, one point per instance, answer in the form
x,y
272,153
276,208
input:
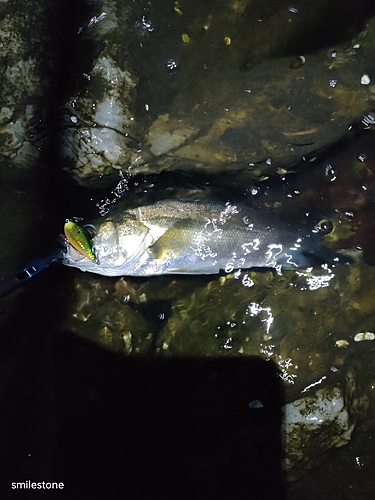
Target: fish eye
x,y
324,226
90,230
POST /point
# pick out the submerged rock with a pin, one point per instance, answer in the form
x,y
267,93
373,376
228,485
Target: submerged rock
x,y
327,395
216,92
237,106
25,65
266,119
312,426
99,132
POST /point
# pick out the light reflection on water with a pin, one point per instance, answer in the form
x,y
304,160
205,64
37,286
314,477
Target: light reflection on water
x,y
255,309
315,281
285,364
116,194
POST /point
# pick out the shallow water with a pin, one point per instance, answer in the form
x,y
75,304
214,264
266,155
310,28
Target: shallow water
x,y
102,365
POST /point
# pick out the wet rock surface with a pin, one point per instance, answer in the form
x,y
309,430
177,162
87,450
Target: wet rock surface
x,y
24,77
245,315
249,97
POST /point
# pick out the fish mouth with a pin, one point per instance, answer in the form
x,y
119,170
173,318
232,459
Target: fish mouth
x,y
72,256
106,266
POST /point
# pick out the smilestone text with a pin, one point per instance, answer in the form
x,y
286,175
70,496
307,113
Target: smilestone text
x,y
43,485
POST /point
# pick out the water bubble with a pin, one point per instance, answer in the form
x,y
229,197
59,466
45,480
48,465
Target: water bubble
x,y
365,79
121,188
171,64
368,120
329,172
256,404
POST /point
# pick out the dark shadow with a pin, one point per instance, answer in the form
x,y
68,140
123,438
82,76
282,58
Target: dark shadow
x,y
337,23
134,428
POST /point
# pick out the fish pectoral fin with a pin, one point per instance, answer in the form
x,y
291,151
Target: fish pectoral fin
x,y
174,242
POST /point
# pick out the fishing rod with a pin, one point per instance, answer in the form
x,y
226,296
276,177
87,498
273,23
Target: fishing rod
x,y
35,267
77,236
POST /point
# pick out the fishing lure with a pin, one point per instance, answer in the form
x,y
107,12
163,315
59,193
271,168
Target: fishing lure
x,y
79,238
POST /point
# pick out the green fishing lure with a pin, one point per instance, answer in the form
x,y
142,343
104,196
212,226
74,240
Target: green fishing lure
x,y
79,238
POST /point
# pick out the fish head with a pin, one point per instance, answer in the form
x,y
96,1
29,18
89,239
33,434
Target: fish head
x,y
118,244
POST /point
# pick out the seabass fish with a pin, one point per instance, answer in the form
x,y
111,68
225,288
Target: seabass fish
x,y
190,237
